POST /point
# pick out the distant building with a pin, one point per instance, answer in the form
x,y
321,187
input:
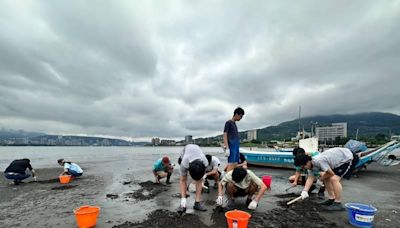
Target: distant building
x,y
167,142
331,133
155,141
188,139
252,135
395,137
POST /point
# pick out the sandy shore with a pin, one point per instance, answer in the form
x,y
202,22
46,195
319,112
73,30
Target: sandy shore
x,y
134,201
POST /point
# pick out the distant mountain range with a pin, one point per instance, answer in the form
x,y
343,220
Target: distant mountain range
x,y
368,124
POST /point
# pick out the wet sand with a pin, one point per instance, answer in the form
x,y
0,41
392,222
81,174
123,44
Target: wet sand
x,y
131,200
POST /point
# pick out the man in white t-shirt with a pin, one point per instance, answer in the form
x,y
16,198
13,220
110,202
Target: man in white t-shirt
x,y
212,172
192,160
333,164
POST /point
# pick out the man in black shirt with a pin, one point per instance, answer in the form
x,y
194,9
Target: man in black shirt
x,y
16,170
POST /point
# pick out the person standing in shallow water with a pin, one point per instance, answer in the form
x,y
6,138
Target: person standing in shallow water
x,y
232,139
70,168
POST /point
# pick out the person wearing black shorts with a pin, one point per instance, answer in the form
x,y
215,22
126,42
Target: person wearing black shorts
x,y
333,165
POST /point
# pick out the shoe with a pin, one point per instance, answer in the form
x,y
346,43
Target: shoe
x,y
328,202
199,206
335,207
168,182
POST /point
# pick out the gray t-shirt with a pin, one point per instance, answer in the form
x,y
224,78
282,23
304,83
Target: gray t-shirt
x,y
215,163
190,153
331,158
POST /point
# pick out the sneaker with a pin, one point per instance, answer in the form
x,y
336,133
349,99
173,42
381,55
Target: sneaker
x,y
335,207
328,202
199,206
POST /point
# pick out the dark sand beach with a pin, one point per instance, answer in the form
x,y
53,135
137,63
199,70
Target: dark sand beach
x,y
133,200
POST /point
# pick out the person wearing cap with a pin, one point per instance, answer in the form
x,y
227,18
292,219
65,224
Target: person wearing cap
x,y
70,168
163,168
16,171
192,160
241,182
212,172
333,164
232,139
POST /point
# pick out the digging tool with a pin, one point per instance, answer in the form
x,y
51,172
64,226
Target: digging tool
x,y
293,201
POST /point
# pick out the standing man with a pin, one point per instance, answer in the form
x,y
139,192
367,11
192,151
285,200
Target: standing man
x,y
192,159
232,139
334,164
16,170
162,168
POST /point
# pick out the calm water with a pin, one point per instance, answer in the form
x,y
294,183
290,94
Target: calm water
x,y
46,157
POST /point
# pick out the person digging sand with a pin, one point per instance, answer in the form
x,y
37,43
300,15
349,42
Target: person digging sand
x,y
240,182
301,175
70,168
16,171
335,164
192,160
163,168
212,172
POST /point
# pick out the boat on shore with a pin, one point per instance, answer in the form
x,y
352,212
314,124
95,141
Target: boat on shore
x,y
286,159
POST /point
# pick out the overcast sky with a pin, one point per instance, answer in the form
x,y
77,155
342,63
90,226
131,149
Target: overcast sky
x,y
142,69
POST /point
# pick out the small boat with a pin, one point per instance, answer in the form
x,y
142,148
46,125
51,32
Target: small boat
x,y
286,159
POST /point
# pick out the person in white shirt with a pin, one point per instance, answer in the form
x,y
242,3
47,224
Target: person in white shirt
x,y
212,172
70,168
192,160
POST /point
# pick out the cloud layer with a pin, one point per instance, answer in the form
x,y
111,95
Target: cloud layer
x,y
148,68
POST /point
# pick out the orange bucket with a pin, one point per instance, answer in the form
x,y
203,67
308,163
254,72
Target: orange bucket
x,y
237,218
65,179
86,216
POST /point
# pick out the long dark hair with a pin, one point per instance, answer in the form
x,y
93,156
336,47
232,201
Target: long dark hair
x,y
61,160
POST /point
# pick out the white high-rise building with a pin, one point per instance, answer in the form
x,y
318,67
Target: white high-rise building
x,y
252,135
331,133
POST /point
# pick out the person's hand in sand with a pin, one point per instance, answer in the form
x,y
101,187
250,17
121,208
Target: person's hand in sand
x,y
162,168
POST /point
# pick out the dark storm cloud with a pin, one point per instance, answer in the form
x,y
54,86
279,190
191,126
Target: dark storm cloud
x,y
144,68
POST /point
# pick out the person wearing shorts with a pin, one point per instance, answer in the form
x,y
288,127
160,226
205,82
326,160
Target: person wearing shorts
x,y
241,182
333,164
162,168
232,139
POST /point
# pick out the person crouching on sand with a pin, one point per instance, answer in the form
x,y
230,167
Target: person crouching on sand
x,y
163,168
334,164
17,171
70,168
240,182
192,160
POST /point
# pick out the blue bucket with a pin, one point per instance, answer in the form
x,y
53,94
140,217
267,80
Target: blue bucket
x,y
360,215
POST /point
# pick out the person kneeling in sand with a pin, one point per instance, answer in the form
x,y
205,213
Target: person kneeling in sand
x,y
70,168
163,168
192,159
212,172
334,164
240,182
17,171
